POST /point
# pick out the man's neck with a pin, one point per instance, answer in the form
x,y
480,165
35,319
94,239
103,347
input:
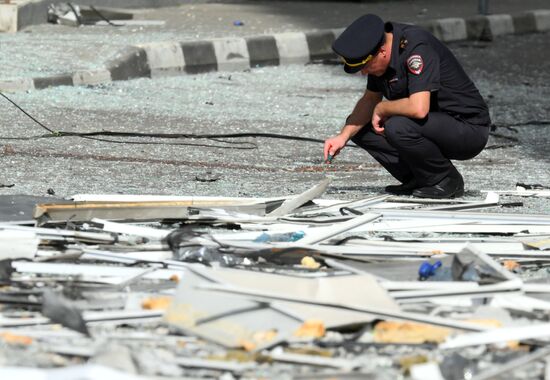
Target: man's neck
x,y
389,44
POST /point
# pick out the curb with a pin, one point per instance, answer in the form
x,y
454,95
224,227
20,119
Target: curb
x,y
233,54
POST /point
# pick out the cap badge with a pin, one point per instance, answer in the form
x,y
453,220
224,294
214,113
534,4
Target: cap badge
x,y
415,64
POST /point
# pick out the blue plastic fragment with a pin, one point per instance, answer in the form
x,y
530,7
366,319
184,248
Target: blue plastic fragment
x,y
427,269
238,23
281,237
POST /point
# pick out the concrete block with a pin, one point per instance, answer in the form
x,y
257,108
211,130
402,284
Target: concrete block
x,y
53,81
524,23
165,58
293,48
22,13
130,63
320,43
429,25
8,18
231,54
91,77
263,51
199,56
501,24
17,84
542,19
450,29
478,28
32,12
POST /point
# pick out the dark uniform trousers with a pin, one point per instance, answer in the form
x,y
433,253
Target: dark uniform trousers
x,y
422,148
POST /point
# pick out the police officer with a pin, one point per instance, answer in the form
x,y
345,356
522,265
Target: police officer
x,y
432,113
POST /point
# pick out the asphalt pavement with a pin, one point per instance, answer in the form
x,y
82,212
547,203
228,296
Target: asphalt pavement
x,y
309,100
300,100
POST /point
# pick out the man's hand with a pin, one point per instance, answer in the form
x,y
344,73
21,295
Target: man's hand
x,y
334,145
378,119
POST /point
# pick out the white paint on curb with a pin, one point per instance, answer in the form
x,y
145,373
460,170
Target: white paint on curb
x,y
8,18
501,24
18,84
231,54
337,32
451,29
91,77
292,48
542,19
164,58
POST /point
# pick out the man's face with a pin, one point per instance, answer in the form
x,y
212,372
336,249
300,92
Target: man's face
x,y
378,65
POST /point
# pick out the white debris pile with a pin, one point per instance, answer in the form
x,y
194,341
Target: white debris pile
x,y
203,287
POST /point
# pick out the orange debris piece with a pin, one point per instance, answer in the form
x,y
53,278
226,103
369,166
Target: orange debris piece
x,y
409,332
175,278
312,328
15,339
258,338
156,303
510,264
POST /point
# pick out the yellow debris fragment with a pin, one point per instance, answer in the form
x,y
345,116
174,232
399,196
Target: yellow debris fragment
x,y
156,303
407,362
310,350
409,332
538,244
264,336
486,322
312,328
309,262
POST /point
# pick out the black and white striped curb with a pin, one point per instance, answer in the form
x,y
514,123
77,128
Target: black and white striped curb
x,y
234,54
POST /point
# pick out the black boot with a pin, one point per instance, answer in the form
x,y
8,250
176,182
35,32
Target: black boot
x,y
403,189
451,186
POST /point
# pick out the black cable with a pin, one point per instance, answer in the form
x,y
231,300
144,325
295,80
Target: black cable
x,y
78,18
346,210
188,135
523,123
103,17
250,145
91,135
155,135
26,113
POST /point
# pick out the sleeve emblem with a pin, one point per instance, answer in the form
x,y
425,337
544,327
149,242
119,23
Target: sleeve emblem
x,y
415,64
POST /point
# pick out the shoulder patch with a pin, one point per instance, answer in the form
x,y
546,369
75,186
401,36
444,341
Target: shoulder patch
x,y
415,64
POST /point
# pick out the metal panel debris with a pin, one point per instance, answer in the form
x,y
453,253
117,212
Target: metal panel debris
x,y
206,287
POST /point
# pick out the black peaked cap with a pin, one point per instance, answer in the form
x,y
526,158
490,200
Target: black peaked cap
x,y
359,40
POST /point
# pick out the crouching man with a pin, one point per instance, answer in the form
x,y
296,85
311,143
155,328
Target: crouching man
x,y
432,111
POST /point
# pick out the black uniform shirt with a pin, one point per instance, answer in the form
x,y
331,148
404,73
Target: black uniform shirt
x,y
420,62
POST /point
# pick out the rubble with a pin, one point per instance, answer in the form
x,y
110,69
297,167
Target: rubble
x,y
288,287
